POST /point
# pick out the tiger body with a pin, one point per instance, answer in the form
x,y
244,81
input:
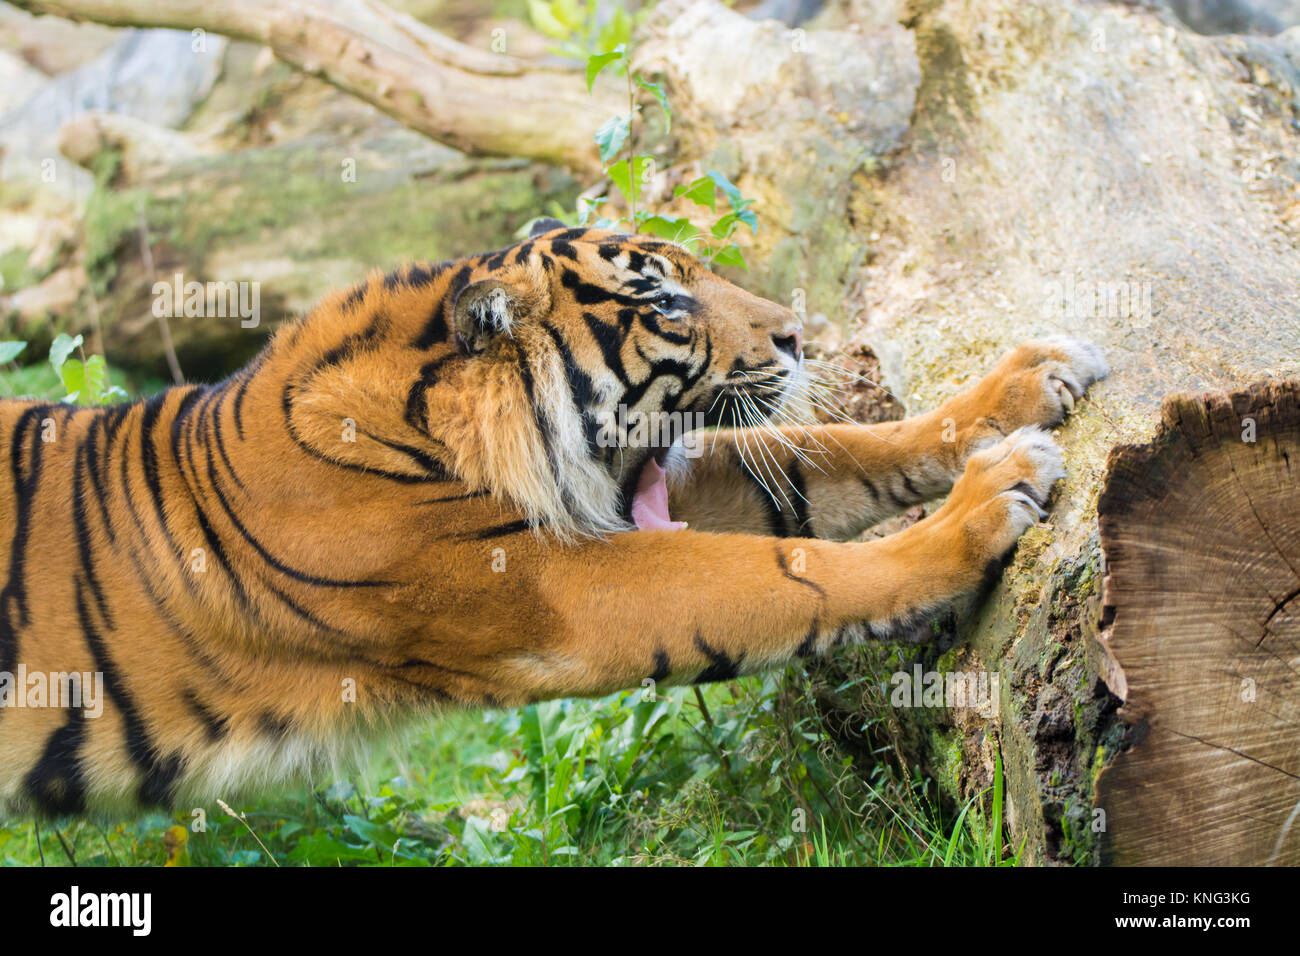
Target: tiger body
x,y
403,504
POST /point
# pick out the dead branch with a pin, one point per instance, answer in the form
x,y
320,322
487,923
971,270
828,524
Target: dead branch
x,y
477,101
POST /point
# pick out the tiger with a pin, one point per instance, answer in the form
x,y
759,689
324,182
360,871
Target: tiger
x,y
424,494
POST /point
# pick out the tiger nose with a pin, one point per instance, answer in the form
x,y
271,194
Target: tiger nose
x,y
791,342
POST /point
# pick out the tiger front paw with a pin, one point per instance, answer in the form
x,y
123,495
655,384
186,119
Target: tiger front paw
x,y
1037,383
1004,490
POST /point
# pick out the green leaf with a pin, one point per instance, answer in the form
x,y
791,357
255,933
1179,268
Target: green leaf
x,y
545,20
702,192
738,202
673,230
724,227
62,346
569,13
629,183
73,374
730,256
11,350
617,30
377,835
598,62
95,371
612,135
660,95
87,382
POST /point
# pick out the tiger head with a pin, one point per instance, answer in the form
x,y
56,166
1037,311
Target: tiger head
x,y
561,371
623,345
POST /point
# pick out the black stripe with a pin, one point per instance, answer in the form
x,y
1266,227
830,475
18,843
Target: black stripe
x,y
13,598
303,613
421,458
785,569
775,518
415,414
245,379
581,389
721,667
95,462
610,342
650,320
355,342
501,530
274,725
266,555
221,444
805,647
215,726
57,783
662,668
286,410
149,460
160,773
799,500
540,420
435,326
587,294
469,495
81,529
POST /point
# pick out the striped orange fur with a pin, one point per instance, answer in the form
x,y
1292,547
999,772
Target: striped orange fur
x,y
405,502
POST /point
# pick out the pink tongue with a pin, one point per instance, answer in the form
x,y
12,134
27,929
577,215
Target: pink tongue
x,y
650,503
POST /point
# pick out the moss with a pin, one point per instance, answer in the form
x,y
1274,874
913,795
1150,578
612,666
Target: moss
x,y
14,273
944,100
946,756
112,218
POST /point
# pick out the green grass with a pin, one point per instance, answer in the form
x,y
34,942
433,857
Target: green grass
x,y
742,774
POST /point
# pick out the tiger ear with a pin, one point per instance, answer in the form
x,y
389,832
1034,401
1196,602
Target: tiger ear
x,y
544,225
484,310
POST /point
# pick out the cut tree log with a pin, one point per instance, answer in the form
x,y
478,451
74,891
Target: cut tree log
x,y
1201,533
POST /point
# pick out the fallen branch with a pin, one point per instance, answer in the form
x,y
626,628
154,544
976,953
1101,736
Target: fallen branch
x,y
476,101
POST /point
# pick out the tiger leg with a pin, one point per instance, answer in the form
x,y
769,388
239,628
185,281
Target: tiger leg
x,y
679,606
834,481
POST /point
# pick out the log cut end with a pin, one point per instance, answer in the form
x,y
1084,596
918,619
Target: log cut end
x,y
1200,530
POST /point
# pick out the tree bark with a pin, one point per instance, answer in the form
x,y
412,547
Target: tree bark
x,y
1201,533
476,101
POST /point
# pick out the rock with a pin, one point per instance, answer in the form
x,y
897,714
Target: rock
x,y
18,81
790,12
797,119
57,295
154,75
141,148
1237,16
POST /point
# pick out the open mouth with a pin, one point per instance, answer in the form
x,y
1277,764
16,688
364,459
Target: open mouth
x,y
650,500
